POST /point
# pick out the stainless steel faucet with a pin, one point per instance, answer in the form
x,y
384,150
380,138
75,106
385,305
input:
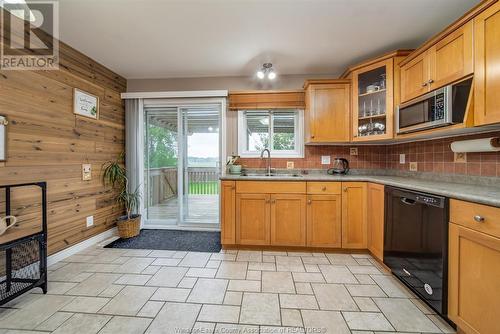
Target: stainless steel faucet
x,y
268,160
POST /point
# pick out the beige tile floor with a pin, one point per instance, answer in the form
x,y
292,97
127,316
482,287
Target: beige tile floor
x,y
150,291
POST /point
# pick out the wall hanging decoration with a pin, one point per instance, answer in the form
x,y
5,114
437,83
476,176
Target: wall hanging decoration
x,y
85,104
3,138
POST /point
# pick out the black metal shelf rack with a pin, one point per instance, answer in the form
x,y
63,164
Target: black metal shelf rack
x,y
25,259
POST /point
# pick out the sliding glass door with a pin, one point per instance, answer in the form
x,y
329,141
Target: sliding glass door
x,y
182,165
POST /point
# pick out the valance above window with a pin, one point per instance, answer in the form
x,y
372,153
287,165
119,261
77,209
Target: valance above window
x,y
267,100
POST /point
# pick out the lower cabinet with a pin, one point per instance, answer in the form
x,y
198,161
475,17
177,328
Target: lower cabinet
x,y
473,267
324,221
253,219
326,215
288,220
376,208
354,215
228,212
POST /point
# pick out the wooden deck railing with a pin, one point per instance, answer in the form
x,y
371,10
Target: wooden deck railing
x,y
163,183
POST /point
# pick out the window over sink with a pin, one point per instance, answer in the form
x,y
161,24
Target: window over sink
x,y
280,131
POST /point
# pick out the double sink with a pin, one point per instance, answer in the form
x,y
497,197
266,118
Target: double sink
x,y
272,174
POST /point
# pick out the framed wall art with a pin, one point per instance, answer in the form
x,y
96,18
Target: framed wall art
x,y
85,104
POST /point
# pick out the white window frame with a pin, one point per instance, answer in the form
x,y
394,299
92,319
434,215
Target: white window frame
x,y
299,137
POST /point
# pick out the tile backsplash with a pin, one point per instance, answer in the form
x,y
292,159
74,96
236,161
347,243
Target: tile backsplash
x,y
434,156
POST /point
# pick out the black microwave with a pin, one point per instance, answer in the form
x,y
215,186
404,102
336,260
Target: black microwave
x,y
442,107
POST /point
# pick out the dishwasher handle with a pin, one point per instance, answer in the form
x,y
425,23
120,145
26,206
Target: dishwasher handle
x,y
407,201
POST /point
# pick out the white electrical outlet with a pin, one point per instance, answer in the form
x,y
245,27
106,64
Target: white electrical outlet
x,y
325,159
402,159
90,221
413,166
290,165
353,151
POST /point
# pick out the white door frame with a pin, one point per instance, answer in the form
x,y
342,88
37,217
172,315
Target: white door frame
x,y
182,104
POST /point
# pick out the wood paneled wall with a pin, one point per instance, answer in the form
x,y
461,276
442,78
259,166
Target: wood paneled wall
x,y
47,142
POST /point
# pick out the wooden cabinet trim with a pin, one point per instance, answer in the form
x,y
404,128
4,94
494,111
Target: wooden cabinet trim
x,y
273,187
324,188
464,213
376,219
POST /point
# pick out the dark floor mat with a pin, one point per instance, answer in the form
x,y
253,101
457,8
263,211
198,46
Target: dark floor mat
x,y
191,241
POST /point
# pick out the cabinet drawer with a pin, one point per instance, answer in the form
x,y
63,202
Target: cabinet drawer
x,y
327,188
270,187
478,217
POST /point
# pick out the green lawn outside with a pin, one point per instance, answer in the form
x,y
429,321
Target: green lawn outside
x,y
204,188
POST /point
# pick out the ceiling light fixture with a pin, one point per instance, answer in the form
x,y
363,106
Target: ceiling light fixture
x,y
267,70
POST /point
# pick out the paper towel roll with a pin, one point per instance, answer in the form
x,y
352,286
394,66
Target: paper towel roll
x,y
476,145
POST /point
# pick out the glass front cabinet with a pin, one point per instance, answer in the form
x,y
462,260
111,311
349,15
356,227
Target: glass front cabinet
x,y
373,101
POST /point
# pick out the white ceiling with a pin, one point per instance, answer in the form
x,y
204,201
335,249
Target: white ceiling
x,y
187,38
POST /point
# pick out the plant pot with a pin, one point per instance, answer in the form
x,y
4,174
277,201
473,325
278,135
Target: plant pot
x,y
128,228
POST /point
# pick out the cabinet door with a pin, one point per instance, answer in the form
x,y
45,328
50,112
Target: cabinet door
x,y
474,274
228,212
486,65
354,224
253,219
415,78
329,113
373,107
324,221
288,220
376,220
451,58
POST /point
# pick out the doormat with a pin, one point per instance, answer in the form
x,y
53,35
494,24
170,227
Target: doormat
x,y
189,241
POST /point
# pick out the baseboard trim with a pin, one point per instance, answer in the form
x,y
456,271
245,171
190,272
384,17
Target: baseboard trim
x,y
59,256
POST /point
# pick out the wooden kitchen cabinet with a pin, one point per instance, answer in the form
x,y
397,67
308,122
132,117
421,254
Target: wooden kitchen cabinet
x,y
376,208
473,276
415,77
445,62
486,65
451,58
327,113
324,220
288,220
228,212
354,215
253,219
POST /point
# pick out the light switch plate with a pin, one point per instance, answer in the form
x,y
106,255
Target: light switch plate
x,y
290,165
413,166
402,159
460,157
353,151
90,221
325,159
86,172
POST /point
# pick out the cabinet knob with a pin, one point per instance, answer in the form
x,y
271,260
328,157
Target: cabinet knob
x,y
430,81
479,219
273,201
309,202
268,201
312,136
324,188
345,189
424,84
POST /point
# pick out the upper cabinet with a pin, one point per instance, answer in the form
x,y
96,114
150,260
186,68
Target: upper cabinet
x,y
487,64
327,113
375,92
446,61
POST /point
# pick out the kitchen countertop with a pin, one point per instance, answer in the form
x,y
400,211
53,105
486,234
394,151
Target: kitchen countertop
x,y
487,195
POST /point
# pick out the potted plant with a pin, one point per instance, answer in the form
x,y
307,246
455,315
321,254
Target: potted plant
x,y
114,174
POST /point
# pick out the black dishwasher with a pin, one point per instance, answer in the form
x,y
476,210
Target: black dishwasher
x,y
416,243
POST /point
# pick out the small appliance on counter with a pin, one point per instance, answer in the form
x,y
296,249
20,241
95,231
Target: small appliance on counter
x,y
340,166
